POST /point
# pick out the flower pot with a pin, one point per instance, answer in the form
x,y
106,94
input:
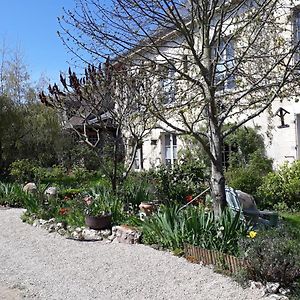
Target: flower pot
x,y
147,207
98,222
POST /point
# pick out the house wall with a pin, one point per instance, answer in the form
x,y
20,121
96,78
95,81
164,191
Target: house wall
x,y
281,143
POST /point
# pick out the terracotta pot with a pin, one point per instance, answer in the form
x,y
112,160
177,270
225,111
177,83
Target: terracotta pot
x,y
98,222
147,207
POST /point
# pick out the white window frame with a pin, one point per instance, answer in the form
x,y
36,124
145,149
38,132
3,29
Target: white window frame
x,y
138,159
296,34
172,147
224,54
167,84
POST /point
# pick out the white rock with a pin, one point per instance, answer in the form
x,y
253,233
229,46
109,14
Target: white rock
x,y
276,297
35,223
77,235
91,234
256,285
51,191
272,287
111,237
30,187
51,221
59,226
105,233
51,228
42,222
62,231
284,291
78,229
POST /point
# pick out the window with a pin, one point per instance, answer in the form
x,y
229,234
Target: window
x,y
297,35
170,149
138,160
224,55
167,84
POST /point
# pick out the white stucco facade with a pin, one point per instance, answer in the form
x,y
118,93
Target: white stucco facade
x,y
281,141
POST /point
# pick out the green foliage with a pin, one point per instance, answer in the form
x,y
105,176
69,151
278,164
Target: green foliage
x,y
104,201
171,228
246,142
11,194
273,256
249,178
23,170
134,191
282,186
187,177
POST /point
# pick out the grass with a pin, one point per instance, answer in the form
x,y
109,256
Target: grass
x,y
292,218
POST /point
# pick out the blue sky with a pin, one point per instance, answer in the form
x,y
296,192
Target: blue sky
x,y
31,25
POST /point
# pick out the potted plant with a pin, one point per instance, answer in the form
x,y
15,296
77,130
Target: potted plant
x,y
98,215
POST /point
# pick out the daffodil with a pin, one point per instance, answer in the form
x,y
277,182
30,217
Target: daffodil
x,y
252,234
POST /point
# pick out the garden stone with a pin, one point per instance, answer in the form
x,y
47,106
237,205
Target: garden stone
x,y
272,288
256,285
42,222
35,223
276,297
30,188
114,229
111,237
51,221
59,226
78,230
127,235
51,228
105,233
51,192
283,291
62,231
91,234
77,235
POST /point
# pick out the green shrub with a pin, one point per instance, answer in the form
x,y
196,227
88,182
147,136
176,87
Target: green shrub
x,y
249,178
23,170
171,228
187,177
273,256
282,186
133,192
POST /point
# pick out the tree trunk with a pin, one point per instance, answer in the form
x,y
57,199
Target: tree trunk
x,y
217,174
218,188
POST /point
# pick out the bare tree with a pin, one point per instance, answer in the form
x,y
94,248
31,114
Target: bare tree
x,y
228,61
103,109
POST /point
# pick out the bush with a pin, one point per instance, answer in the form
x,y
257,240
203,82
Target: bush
x,y
282,186
134,191
23,170
273,256
171,228
249,178
187,177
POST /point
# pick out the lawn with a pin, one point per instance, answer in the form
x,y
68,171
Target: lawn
x,y
292,218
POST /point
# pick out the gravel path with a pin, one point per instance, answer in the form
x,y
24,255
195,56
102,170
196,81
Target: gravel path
x,y
39,265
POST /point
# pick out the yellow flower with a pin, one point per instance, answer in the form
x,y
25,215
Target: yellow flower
x,y
252,234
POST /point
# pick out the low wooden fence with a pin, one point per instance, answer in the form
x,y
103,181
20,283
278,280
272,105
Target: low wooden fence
x,y
227,262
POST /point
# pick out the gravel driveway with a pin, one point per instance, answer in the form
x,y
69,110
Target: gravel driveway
x,y
38,265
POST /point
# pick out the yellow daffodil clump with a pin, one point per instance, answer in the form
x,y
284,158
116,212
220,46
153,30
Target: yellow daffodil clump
x,y
252,234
